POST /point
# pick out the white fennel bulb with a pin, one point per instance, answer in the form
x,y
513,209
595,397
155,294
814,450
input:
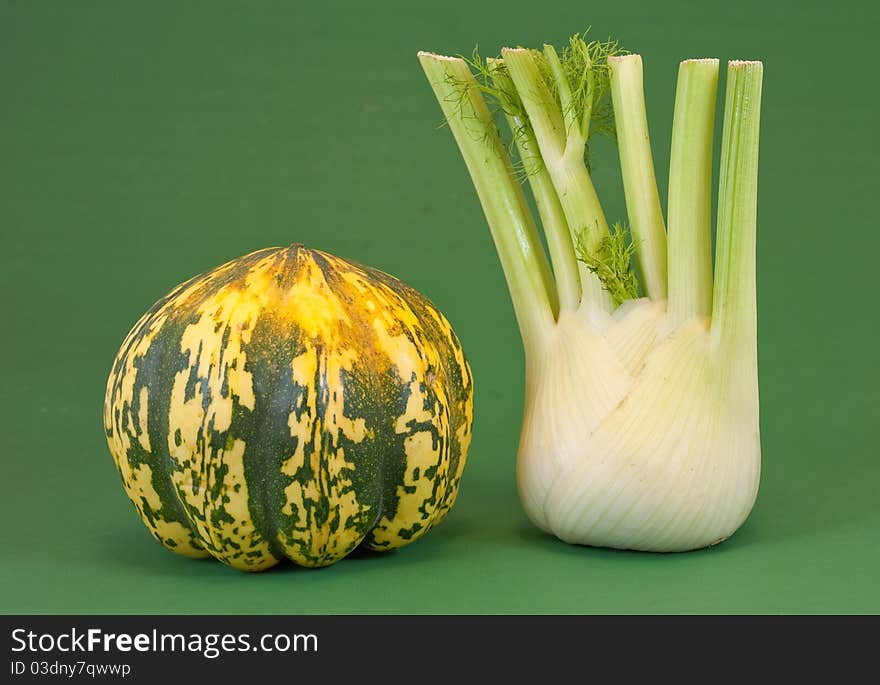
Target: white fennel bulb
x,y
638,435
641,424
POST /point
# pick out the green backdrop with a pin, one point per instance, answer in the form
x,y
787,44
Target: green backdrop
x,y
142,143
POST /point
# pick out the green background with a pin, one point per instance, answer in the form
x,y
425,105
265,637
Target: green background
x,y
142,143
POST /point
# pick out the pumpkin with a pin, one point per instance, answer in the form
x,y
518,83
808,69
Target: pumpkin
x,y
290,404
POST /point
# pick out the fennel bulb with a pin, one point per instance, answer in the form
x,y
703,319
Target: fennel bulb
x,y
640,428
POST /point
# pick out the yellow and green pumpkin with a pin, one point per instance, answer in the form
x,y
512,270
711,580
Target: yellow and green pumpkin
x,y
290,404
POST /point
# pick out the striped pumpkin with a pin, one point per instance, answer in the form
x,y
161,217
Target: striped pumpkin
x,y
290,404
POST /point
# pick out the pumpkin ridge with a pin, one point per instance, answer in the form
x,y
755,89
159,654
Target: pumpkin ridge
x,y
268,432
